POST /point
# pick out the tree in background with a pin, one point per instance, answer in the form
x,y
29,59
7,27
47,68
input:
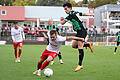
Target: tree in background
x,y
6,2
23,3
91,3
85,1
51,2
79,4
74,4
97,3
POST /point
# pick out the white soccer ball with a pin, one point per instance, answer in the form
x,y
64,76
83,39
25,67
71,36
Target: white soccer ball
x,y
48,72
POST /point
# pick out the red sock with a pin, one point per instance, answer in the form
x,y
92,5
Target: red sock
x,y
39,65
44,65
20,51
15,52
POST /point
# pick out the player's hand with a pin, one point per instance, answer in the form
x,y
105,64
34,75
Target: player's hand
x,y
62,18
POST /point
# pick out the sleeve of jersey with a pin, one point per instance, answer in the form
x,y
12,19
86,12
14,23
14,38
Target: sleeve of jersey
x,y
62,39
22,31
12,34
48,33
23,35
68,18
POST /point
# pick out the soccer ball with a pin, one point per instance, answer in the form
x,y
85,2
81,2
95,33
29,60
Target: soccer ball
x,y
48,72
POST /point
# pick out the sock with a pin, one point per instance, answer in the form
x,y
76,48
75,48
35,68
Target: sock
x,y
15,52
20,51
44,65
86,45
81,55
59,55
39,65
115,49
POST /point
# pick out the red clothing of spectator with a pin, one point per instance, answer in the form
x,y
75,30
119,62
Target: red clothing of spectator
x,y
29,32
27,28
24,28
101,29
36,28
108,29
3,28
8,27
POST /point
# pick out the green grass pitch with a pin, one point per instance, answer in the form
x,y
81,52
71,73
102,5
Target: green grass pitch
x,y
100,65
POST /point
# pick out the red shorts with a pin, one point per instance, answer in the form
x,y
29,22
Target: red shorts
x,y
47,53
17,44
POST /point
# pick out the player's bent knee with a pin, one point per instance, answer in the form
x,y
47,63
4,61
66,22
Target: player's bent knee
x,y
41,60
50,58
20,47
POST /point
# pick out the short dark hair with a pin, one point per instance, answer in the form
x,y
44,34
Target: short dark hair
x,y
53,32
69,5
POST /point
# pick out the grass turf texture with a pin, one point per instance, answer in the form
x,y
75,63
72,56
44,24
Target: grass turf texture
x,y
100,65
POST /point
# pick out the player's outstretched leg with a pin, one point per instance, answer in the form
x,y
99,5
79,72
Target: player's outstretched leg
x,y
37,72
81,55
46,63
89,45
15,51
60,58
20,51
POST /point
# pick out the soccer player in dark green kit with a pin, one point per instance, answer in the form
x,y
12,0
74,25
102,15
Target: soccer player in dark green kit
x,y
117,39
49,27
78,27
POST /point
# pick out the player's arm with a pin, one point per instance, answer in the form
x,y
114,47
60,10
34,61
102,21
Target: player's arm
x,y
74,38
45,35
12,35
84,14
59,33
23,35
13,38
62,21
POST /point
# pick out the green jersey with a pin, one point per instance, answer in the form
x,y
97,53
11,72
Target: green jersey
x,y
74,18
52,27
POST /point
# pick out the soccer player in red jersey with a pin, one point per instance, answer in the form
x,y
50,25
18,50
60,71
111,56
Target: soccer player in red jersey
x,y
52,50
17,37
